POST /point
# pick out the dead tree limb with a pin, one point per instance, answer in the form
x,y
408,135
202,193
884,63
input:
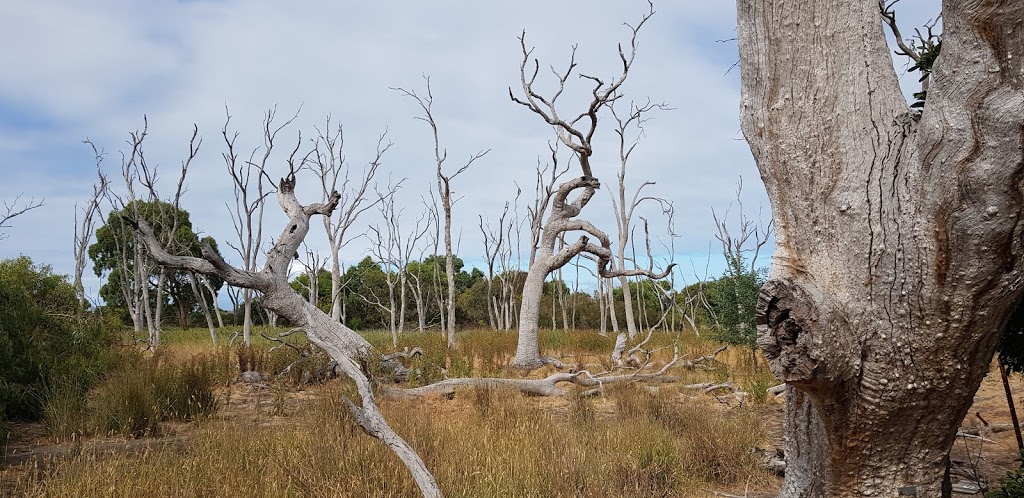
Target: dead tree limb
x,y
347,348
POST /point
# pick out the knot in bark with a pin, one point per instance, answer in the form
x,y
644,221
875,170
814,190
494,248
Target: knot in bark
x,y
787,321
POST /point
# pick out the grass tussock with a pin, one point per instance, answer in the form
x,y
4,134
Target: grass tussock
x,y
133,399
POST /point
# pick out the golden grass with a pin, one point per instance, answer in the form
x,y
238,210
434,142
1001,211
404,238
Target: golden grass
x,y
484,443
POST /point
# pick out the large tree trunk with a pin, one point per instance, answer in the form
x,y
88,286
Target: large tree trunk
x,y
247,316
527,349
898,254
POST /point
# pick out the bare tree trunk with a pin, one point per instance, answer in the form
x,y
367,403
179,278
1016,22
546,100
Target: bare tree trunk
x,y
335,283
246,316
216,305
445,193
85,228
527,349
898,257
334,172
610,303
202,304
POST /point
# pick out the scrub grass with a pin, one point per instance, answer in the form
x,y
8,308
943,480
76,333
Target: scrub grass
x,y
631,440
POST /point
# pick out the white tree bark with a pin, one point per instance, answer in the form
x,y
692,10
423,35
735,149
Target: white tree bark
x,y
576,134
444,190
202,305
899,234
85,227
250,201
213,297
332,168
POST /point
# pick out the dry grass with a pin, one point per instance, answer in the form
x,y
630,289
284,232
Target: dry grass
x,y
483,443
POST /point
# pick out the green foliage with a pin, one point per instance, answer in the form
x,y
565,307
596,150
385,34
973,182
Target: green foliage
x,y
115,244
1012,486
732,303
927,50
323,288
43,340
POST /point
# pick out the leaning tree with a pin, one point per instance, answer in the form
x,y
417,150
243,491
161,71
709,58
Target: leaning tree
x,y
348,349
899,253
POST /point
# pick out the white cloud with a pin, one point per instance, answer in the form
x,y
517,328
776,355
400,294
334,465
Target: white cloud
x,y
93,69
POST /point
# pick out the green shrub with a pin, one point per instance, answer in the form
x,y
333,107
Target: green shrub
x,y
45,340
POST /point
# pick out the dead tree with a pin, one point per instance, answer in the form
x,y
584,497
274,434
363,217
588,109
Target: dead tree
x,y
249,179
213,299
168,218
197,292
329,163
347,348
623,204
420,293
494,242
312,265
898,253
393,249
543,189
575,133
86,226
444,190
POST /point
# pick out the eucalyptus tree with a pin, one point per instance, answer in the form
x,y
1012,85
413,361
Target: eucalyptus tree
x,y
898,253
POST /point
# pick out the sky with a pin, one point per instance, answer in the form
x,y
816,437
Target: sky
x,y
92,70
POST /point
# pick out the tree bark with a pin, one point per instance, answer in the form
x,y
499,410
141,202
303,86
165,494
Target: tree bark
x,y
206,308
899,254
527,349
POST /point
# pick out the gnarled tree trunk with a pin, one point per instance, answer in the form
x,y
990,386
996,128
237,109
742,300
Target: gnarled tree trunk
x,y
898,254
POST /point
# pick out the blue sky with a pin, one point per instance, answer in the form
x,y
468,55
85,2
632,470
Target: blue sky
x,y
77,70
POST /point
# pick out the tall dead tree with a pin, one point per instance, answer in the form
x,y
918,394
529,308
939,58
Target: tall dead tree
x,y
623,204
494,242
329,163
392,250
444,190
543,189
899,250
249,179
86,226
575,133
417,286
